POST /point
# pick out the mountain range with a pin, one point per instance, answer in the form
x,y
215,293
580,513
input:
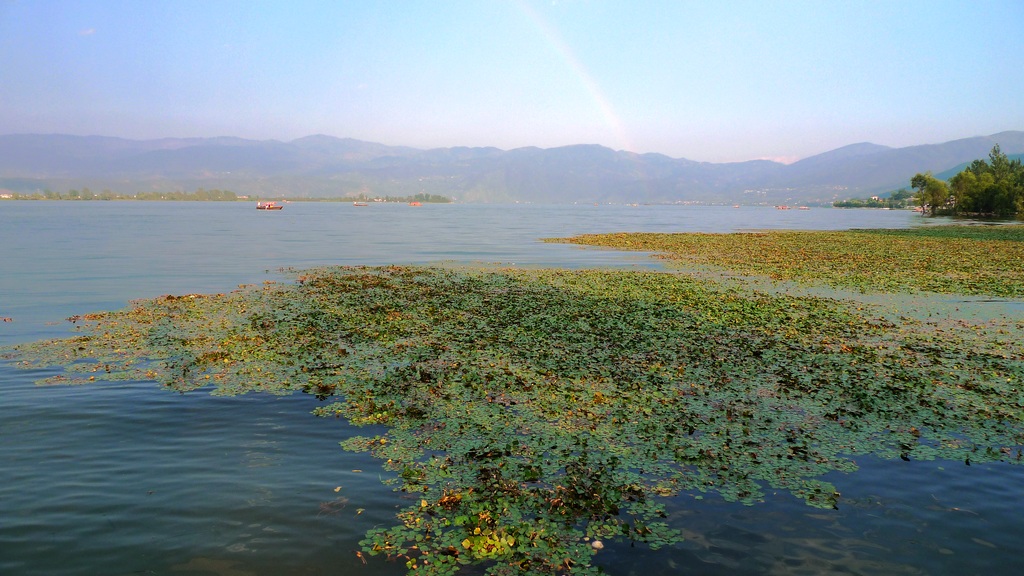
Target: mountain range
x,y
325,166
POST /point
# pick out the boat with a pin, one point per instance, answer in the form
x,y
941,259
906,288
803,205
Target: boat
x,y
360,204
415,204
269,206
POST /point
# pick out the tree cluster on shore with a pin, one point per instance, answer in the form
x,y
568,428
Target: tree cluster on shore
x,y
202,195
897,200
992,188
422,197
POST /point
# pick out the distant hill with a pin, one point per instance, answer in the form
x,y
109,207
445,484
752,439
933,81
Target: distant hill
x,y
947,174
325,166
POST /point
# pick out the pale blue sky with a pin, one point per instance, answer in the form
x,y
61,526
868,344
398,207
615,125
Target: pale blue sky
x,y
710,80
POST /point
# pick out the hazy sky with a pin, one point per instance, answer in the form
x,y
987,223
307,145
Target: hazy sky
x,y
705,80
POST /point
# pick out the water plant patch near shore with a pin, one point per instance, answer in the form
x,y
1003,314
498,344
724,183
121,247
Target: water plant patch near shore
x,y
970,260
535,413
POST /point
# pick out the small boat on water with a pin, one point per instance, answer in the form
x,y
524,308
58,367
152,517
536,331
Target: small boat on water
x,y
415,204
269,206
360,204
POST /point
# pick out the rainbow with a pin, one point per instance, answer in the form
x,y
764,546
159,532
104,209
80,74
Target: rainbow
x,y
557,43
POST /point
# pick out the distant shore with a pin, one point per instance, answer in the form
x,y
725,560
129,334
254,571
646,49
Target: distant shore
x,y
211,196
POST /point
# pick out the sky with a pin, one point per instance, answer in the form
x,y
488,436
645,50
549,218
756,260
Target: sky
x,y
708,80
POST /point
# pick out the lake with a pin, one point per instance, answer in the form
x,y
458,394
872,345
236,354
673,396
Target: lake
x,y
128,478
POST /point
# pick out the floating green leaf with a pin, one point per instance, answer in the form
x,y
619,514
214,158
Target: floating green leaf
x,y
531,412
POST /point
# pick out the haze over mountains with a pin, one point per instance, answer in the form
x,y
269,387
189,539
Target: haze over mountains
x,y
325,166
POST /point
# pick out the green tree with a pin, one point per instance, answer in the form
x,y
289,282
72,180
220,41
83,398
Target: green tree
x,y
901,194
932,194
965,189
1008,193
995,187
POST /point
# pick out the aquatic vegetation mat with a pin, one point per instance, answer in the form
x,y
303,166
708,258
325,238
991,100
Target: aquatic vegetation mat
x,y
971,260
535,414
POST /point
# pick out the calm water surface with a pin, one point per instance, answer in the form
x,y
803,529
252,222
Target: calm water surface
x,y
127,478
